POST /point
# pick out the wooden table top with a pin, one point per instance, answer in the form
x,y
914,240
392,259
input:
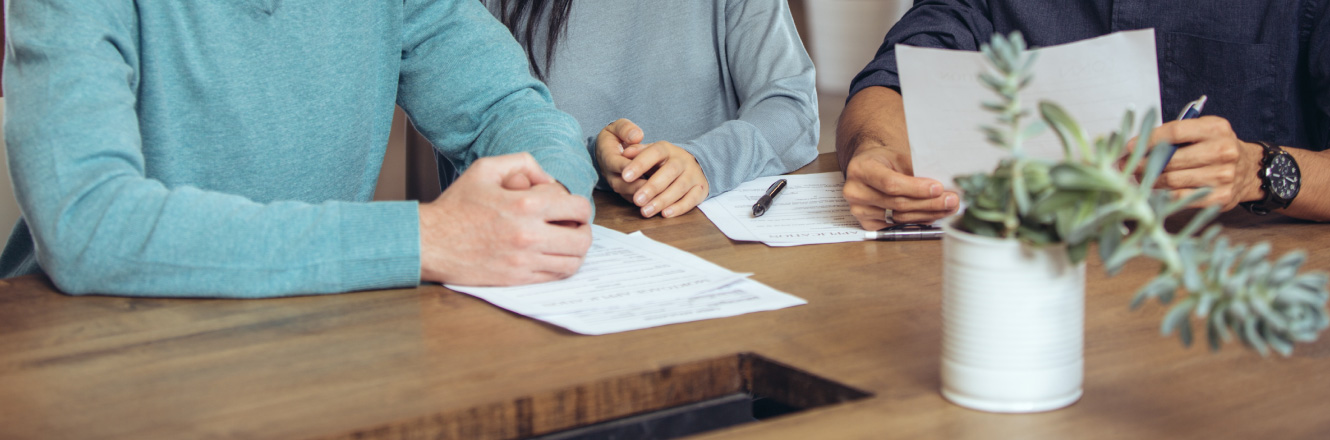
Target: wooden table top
x,y
431,363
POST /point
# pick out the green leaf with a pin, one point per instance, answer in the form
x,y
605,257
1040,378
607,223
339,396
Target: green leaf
x,y
1091,221
1218,322
1057,201
1118,141
1142,141
1110,236
1252,337
1005,53
1200,219
1267,314
1018,192
1037,236
1066,128
1277,341
1191,273
1177,318
1179,204
1017,41
1212,336
1033,129
1314,282
1157,287
1255,255
1158,158
992,82
1080,177
1297,294
1124,253
1204,301
1078,251
979,227
981,213
987,50
1287,266
1029,65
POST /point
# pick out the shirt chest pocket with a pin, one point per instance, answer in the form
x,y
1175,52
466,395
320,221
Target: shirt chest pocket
x,y
1238,78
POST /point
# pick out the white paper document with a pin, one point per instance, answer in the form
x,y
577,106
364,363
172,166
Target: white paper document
x,y
811,210
744,296
630,282
1095,80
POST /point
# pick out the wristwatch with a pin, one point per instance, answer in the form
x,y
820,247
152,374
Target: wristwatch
x,y
1280,179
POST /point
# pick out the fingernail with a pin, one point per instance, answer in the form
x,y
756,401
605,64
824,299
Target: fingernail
x,y
640,199
628,174
635,133
669,212
648,210
934,190
950,202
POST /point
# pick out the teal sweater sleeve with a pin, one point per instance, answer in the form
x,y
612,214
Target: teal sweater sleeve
x,y
466,118
100,225
107,124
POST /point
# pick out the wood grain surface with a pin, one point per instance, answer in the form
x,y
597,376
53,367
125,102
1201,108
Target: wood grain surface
x,y
431,363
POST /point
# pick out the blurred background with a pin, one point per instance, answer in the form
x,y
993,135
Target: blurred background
x,y
840,35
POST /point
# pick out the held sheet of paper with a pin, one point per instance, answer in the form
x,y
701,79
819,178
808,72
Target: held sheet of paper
x,y
630,282
811,210
1095,80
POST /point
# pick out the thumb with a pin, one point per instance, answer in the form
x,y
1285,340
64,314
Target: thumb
x,y
512,171
626,130
517,182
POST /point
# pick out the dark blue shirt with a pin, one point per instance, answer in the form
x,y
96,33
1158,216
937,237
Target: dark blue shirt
x,y
1265,64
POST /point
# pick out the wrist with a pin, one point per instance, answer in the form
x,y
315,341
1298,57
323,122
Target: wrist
x,y
1253,190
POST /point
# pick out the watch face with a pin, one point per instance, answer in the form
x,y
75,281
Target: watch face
x,y
1285,179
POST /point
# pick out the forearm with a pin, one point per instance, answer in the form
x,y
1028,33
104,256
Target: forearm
x,y
132,236
1312,202
874,119
771,138
465,84
103,223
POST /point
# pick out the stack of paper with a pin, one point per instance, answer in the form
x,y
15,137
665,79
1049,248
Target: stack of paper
x,y
629,282
811,210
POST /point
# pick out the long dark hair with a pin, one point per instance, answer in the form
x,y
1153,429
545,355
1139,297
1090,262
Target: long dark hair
x,y
528,14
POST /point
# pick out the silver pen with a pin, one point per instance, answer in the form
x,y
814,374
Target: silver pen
x,y
905,232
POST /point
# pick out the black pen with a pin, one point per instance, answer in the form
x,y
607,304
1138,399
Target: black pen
x,y
764,202
905,232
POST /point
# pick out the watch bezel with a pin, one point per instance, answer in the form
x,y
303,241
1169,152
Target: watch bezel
x,y
1272,199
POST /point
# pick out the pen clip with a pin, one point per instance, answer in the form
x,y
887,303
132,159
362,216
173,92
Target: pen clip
x,y
1193,109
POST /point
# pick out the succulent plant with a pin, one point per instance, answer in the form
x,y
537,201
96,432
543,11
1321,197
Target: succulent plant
x,y
1095,195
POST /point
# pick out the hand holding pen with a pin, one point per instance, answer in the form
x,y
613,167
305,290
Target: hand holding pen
x,y
1191,111
1209,155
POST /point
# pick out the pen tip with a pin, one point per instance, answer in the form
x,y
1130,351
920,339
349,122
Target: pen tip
x,y
758,211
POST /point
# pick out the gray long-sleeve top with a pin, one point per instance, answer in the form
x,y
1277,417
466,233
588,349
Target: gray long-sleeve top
x,y
727,80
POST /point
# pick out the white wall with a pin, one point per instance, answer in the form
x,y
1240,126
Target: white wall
x,y
845,34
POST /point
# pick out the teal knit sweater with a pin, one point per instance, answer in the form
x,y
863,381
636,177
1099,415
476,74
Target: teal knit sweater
x,y
230,148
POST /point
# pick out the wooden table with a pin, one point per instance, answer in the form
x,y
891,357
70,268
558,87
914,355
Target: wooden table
x,y
431,363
